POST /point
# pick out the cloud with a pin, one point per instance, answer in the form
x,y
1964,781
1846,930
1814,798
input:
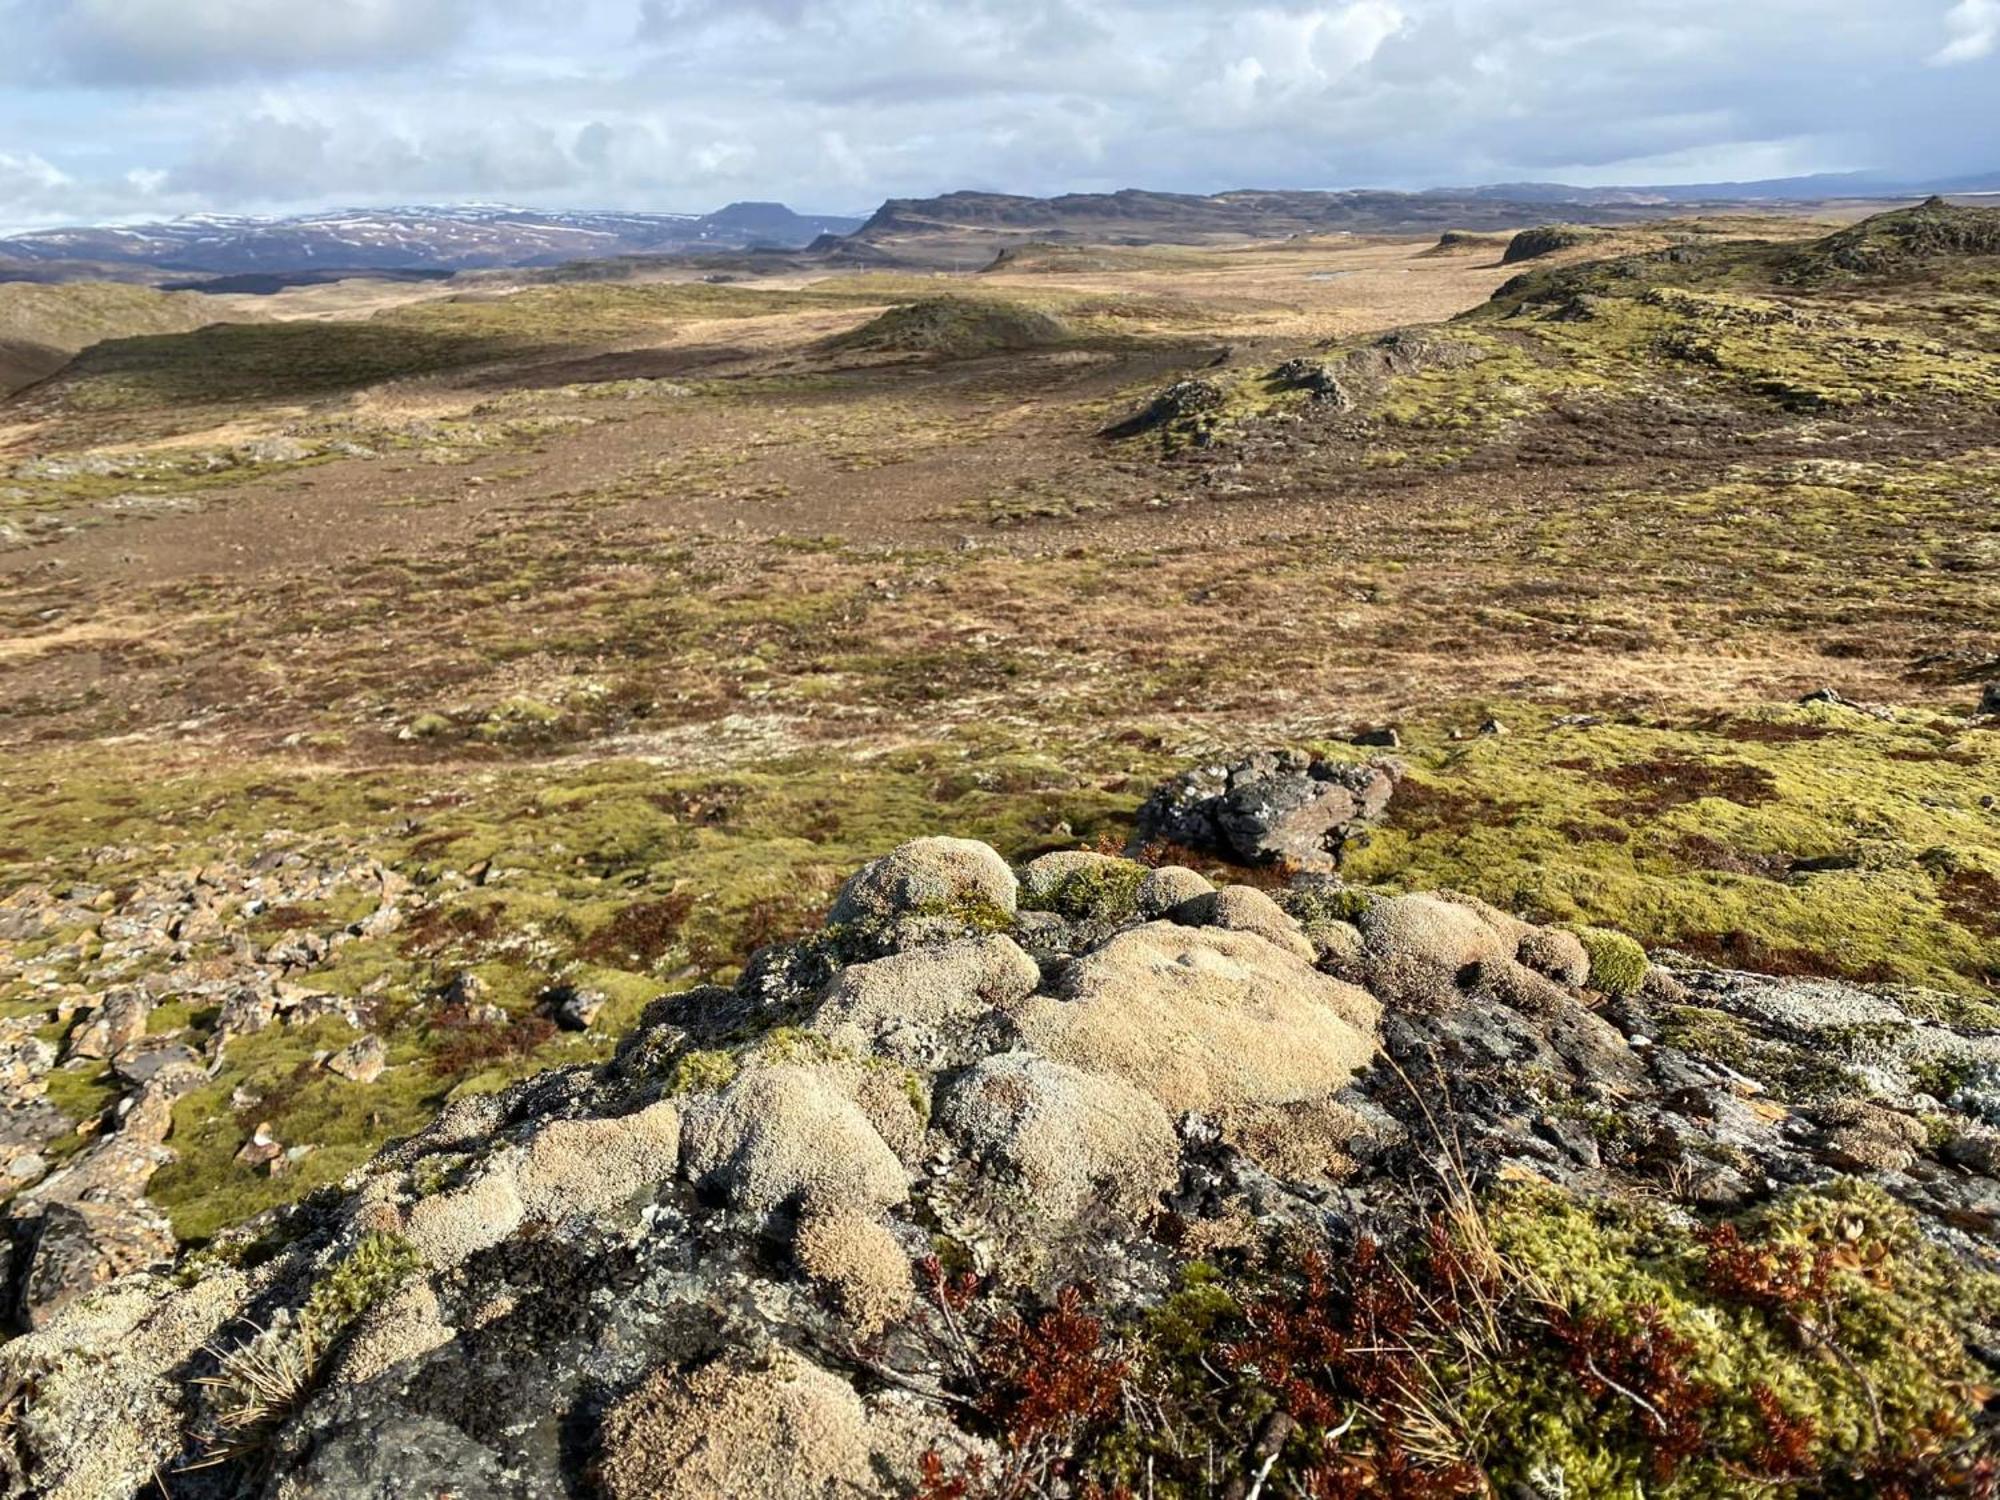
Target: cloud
x,y
1974,27
23,176
253,104
179,41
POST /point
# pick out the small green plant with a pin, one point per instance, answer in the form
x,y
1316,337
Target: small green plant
x,y
258,1384
1105,891
1618,965
701,1072
1314,904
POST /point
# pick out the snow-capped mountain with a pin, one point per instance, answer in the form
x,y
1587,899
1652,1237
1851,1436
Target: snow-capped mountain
x,y
420,238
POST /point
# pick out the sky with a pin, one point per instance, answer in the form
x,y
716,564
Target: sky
x,y
132,109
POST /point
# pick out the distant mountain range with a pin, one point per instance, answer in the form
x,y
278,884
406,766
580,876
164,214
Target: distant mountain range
x,y
1137,217
1818,188
412,239
225,253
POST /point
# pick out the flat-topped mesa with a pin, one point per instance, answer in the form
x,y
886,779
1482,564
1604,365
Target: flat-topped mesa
x,y
768,1205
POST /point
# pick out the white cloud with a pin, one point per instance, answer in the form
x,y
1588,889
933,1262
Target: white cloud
x,y
1974,28
168,41
838,103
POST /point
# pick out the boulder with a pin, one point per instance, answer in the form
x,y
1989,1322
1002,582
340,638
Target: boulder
x,y
1081,1144
118,1021
360,1062
925,1007
925,877
789,1136
1276,805
1204,1019
1244,908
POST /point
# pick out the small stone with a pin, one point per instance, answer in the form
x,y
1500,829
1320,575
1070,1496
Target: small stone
x,y
261,1149
360,1062
145,1060
466,988
1379,739
575,1009
1989,698
1492,727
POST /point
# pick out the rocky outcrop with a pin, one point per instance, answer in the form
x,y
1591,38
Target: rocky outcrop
x,y
732,1260
237,939
1273,806
1547,239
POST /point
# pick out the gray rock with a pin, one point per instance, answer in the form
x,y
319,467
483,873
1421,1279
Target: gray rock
x,y
1274,805
360,1062
927,877
80,1246
576,1009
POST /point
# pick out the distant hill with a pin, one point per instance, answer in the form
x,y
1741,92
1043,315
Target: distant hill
x,y
411,239
968,221
43,327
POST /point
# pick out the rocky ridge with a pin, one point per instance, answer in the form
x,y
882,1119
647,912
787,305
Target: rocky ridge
x,y
111,972
742,1257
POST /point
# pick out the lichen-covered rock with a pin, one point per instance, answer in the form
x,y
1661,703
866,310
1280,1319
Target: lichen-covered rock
x,y
1204,1019
860,1262
398,1455
932,876
789,1136
1275,805
97,1396
1078,1142
739,1430
925,1007
1169,886
1244,908
727,1261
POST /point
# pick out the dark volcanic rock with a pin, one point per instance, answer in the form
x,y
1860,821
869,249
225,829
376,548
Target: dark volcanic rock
x,y
1275,805
701,1268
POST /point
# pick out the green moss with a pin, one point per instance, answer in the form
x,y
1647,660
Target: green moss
x,y
789,1045
1314,904
702,1072
1106,891
1900,1319
1618,966
370,1273
974,912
